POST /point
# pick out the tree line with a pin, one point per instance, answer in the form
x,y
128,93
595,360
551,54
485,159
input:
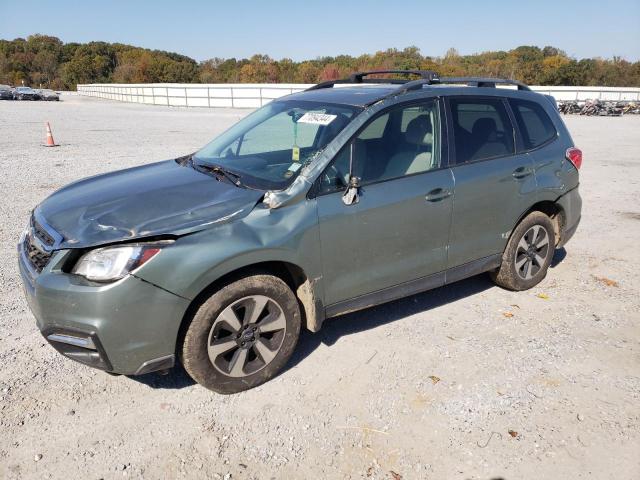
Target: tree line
x,y
47,61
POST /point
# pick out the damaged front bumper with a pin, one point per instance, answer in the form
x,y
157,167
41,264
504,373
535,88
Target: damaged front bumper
x,y
129,326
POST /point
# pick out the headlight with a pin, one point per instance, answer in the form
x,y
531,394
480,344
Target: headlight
x,y
25,232
112,263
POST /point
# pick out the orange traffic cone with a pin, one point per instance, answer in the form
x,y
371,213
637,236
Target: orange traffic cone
x,y
50,141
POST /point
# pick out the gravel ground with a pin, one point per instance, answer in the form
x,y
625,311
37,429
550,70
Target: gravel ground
x,y
466,381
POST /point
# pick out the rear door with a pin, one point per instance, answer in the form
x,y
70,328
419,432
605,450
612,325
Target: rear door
x,y
398,230
494,186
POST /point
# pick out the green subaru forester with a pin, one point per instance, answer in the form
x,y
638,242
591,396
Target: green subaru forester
x,y
352,193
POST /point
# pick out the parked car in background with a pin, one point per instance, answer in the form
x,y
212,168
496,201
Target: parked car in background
x,y
26,93
320,203
48,95
6,92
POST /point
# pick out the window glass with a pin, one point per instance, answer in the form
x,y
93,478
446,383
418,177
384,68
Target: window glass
x,y
269,147
534,123
376,128
409,114
336,175
278,133
400,142
482,128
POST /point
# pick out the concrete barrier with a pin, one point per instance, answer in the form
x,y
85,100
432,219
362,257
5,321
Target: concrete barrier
x,y
247,95
590,93
192,95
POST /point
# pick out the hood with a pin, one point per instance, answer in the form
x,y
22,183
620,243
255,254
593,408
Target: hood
x,y
163,198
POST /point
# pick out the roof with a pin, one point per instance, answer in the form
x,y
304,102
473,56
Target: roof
x,y
360,91
359,96
365,95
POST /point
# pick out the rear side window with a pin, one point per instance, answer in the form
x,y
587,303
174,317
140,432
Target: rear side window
x,y
481,127
534,123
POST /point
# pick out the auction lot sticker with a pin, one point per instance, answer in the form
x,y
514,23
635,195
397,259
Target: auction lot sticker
x,y
317,118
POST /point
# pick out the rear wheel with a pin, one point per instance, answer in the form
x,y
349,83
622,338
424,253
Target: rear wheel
x,y
242,335
526,259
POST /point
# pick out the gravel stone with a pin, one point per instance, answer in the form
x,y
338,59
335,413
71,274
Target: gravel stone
x,y
340,410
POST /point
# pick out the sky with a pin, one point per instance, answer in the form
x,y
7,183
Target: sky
x,y
301,29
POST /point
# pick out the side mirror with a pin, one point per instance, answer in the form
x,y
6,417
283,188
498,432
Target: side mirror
x,y
352,194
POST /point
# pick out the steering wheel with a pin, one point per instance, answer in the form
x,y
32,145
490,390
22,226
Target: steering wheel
x,y
332,176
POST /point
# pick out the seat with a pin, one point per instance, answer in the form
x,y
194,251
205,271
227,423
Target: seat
x,y
486,143
416,156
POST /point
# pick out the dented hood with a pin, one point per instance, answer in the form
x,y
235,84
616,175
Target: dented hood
x,y
157,199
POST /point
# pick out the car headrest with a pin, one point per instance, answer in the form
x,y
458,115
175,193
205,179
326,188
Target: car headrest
x,y
420,131
484,129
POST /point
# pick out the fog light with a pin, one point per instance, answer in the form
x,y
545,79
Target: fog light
x,y
72,340
79,346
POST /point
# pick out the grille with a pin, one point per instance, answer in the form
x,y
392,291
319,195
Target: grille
x,y
36,257
41,233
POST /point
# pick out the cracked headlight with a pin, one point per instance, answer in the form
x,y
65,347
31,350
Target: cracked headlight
x,y
113,263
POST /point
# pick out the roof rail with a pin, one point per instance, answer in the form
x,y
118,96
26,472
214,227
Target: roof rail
x,y
427,76
483,82
424,74
470,81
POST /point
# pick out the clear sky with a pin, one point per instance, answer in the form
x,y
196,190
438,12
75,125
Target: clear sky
x,y
301,29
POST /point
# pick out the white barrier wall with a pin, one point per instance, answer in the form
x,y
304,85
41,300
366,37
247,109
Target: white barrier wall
x,y
232,95
590,93
246,95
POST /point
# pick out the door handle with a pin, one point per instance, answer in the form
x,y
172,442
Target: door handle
x,y
522,172
438,194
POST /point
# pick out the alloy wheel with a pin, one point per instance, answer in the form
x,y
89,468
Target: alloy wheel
x,y
246,336
532,252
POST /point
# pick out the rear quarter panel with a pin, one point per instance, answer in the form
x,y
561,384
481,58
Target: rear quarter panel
x,y
554,173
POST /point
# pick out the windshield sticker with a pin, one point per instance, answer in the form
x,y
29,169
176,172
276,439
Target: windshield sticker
x,y
295,153
317,118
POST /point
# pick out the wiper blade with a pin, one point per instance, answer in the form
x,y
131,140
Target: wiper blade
x,y
221,172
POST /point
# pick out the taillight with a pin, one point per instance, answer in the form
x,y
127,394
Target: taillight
x,y
574,155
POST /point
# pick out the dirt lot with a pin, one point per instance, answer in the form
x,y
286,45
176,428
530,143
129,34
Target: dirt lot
x,y
467,381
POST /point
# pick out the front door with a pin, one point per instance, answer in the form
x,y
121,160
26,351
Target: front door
x,y
398,230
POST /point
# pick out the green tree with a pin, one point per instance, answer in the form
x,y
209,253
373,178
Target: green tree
x,y
42,59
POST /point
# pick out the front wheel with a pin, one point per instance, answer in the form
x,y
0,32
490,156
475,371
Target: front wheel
x,y
242,335
528,255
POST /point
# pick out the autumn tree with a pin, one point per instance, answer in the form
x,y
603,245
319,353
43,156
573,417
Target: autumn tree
x,y
42,59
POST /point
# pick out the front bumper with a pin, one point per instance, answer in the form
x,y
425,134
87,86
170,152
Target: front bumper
x,y
128,327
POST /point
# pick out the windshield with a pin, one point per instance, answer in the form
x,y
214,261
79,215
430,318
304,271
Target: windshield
x,y
267,149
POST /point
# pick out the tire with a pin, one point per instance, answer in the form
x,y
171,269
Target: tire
x,y
254,321
526,259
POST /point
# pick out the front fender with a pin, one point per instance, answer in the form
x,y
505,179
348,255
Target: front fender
x,y
288,234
